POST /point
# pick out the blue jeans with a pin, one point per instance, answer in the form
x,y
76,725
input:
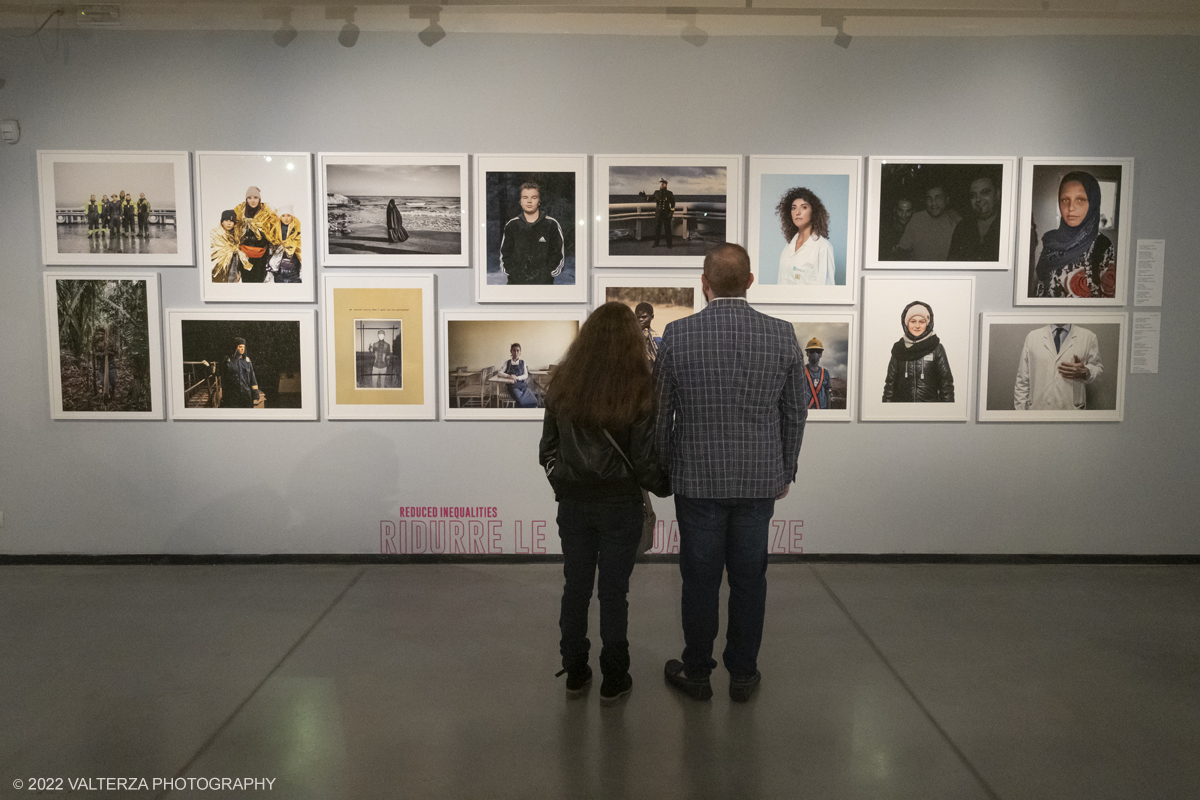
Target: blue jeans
x,y
605,535
715,535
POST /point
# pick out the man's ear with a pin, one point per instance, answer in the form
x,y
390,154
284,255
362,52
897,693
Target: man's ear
x,y
750,282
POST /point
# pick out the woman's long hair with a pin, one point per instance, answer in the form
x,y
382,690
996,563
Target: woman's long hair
x,y
605,379
820,215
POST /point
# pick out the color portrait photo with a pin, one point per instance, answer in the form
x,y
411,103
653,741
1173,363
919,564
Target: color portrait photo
x,y
656,300
827,342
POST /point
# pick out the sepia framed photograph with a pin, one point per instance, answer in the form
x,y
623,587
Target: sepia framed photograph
x,y
917,336
1074,235
665,211
379,347
393,209
241,364
928,212
115,208
656,299
255,215
498,364
531,213
805,228
1052,367
829,343
104,344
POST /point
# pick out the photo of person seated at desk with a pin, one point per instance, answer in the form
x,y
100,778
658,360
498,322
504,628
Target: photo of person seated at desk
x,y
516,375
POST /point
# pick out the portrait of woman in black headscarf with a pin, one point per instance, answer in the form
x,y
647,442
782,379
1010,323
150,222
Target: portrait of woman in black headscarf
x,y
918,371
1077,260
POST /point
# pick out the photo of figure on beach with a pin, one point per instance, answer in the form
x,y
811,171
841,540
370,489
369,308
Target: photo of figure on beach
x,y
378,354
394,209
115,208
104,345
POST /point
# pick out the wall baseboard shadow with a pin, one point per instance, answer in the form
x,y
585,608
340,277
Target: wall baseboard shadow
x,y
179,559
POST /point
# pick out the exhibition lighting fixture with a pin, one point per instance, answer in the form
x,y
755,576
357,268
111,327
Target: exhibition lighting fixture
x,y
285,35
348,35
694,35
432,34
842,39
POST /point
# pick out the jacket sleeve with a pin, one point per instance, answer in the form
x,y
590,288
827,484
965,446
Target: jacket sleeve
x,y
664,380
1091,359
1021,385
506,248
946,384
548,447
556,251
889,383
643,455
793,408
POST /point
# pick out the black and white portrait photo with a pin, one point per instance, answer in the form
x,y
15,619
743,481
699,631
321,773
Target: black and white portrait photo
x,y
378,354
1064,368
531,210
940,213
394,209
115,208
665,211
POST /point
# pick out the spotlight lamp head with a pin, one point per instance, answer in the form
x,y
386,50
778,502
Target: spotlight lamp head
x,y
285,35
348,35
432,34
842,39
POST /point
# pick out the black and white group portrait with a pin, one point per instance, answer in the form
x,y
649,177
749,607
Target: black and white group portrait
x,y
382,210
936,213
378,354
115,208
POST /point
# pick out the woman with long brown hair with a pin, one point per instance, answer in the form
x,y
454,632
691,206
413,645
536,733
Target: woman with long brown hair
x,y
603,388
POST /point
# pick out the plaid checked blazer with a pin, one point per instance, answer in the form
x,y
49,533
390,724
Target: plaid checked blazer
x,y
731,402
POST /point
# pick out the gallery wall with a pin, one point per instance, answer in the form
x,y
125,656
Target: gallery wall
x,y
341,487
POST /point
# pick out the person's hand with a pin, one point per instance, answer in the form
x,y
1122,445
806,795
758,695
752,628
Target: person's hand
x,y
205,363
1076,370
784,493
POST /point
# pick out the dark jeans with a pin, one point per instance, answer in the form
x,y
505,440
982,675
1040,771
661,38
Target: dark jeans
x,y
605,535
715,535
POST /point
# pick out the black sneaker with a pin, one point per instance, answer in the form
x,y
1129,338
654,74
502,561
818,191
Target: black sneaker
x,y
577,680
696,688
742,686
613,689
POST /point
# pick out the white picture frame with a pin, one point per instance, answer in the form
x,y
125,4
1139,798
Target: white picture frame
x,y
604,280
365,178
911,178
405,304
507,173
687,176
832,326
283,178
65,227
467,351
54,348
952,301
1041,175
1005,365
222,348
837,181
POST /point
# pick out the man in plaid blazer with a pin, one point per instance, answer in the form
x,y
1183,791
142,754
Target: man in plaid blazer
x,y
731,416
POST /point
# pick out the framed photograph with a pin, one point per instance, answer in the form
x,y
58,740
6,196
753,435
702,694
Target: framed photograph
x,y
532,216
829,344
665,211
497,365
1052,367
393,209
656,299
242,364
917,346
1073,240
379,347
115,207
104,344
805,228
254,211
940,213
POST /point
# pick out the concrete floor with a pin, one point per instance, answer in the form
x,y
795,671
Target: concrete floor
x,y
437,681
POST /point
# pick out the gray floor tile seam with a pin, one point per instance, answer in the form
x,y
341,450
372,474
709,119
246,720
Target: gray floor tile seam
x,y
937,726
258,687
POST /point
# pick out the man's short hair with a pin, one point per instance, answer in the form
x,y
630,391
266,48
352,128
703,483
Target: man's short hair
x,y
644,307
727,267
531,185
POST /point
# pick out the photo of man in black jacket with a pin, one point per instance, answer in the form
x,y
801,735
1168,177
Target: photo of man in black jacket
x,y
532,250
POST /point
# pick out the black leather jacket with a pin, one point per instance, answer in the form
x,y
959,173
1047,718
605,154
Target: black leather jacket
x,y
581,464
924,380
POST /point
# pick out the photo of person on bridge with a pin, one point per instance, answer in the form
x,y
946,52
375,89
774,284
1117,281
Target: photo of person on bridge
x,y
684,216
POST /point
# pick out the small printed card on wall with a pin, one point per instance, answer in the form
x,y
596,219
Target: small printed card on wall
x,y
240,364
379,347
255,215
531,229
115,208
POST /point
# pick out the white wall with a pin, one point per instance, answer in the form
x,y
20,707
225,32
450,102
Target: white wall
x,y
208,487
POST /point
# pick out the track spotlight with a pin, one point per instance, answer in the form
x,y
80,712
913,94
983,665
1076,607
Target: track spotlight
x,y
348,35
432,34
842,39
285,35
694,35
